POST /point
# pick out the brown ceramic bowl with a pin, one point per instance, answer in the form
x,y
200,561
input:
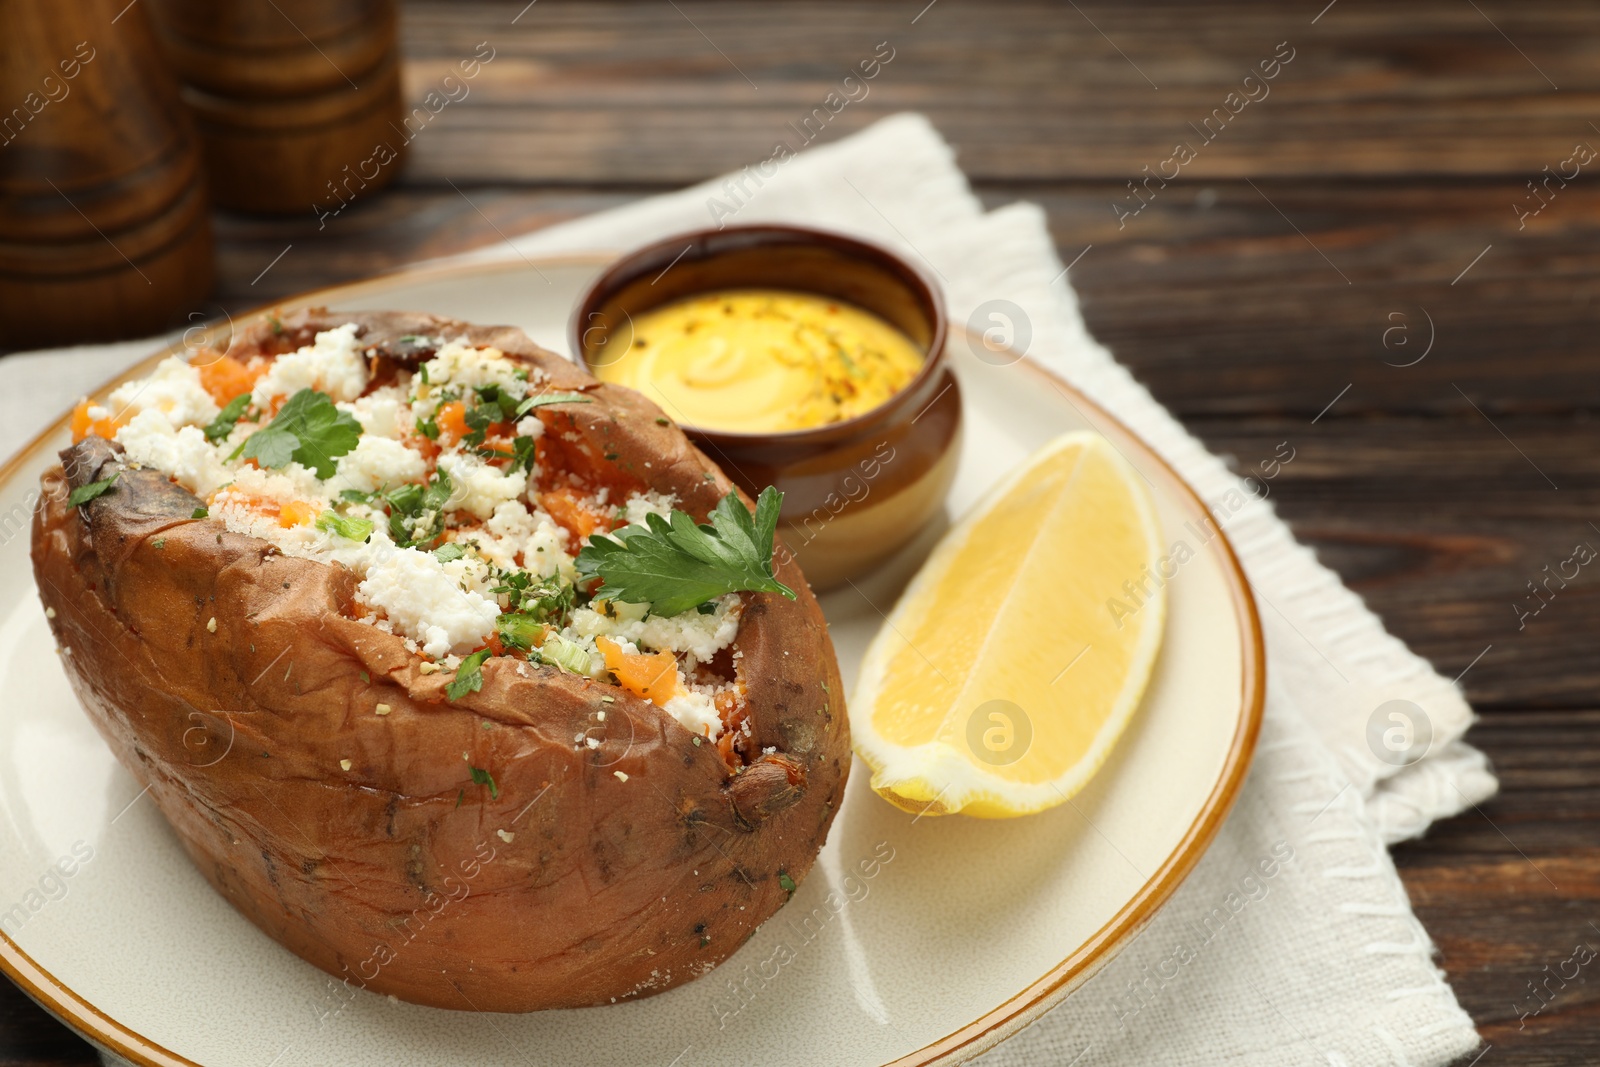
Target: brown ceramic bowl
x,y
856,490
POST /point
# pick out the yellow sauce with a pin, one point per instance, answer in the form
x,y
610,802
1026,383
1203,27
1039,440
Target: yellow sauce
x,y
763,360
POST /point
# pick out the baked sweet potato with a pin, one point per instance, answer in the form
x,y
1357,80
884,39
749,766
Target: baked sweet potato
x,y
549,839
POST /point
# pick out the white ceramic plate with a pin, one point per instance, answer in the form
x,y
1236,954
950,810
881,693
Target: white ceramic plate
x,y
964,931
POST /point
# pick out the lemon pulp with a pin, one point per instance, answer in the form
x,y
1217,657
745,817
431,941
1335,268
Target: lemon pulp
x,y
1015,658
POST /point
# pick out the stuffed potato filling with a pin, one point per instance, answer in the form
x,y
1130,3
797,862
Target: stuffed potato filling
x,y
454,488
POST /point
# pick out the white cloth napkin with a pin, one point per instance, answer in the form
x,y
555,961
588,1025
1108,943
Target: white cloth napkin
x,y
1321,962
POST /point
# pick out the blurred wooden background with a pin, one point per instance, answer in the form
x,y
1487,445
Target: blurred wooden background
x,y
1378,186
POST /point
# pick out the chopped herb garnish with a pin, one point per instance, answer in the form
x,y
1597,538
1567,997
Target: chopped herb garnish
x,y
550,398
565,653
503,406
200,513
519,631
469,676
674,565
448,553
159,543
355,496
478,419
522,453
786,882
546,602
707,608
85,493
416,512
309,429
662,422
429,428
228,418
482,777
346,526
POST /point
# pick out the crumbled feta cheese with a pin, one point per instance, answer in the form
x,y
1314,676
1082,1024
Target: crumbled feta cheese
x,y
382,709
289,484
530,426
699,636
622,776
331,364
382,411
211,626
512,531
457,363
697,713
478,487
174,390
424,601
344,765
377,462
184,453
505,835
648,503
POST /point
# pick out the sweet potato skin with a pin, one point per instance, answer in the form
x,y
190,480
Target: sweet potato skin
x,y
563,884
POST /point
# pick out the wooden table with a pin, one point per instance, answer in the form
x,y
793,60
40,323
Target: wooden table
x,y
1383,185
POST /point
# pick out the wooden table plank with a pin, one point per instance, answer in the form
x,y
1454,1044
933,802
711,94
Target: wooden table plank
x,y
1510,892
636,91
1441,524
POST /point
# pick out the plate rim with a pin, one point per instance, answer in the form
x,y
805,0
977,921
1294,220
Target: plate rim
x,y
968,1040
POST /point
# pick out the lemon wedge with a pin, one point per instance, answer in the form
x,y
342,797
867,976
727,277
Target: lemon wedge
x,y
1015,658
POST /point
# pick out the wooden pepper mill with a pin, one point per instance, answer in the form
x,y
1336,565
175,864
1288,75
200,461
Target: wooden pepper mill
x,y
104,231
290,96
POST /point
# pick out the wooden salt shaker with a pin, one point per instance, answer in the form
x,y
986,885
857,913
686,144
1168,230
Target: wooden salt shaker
x,y
104,231
292,97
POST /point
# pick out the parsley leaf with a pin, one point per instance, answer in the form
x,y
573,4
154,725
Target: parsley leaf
x,y
200,513
308,428
786,883
676,565
448,553
469,676
346,526
228,418
85,493
483,777
550,398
